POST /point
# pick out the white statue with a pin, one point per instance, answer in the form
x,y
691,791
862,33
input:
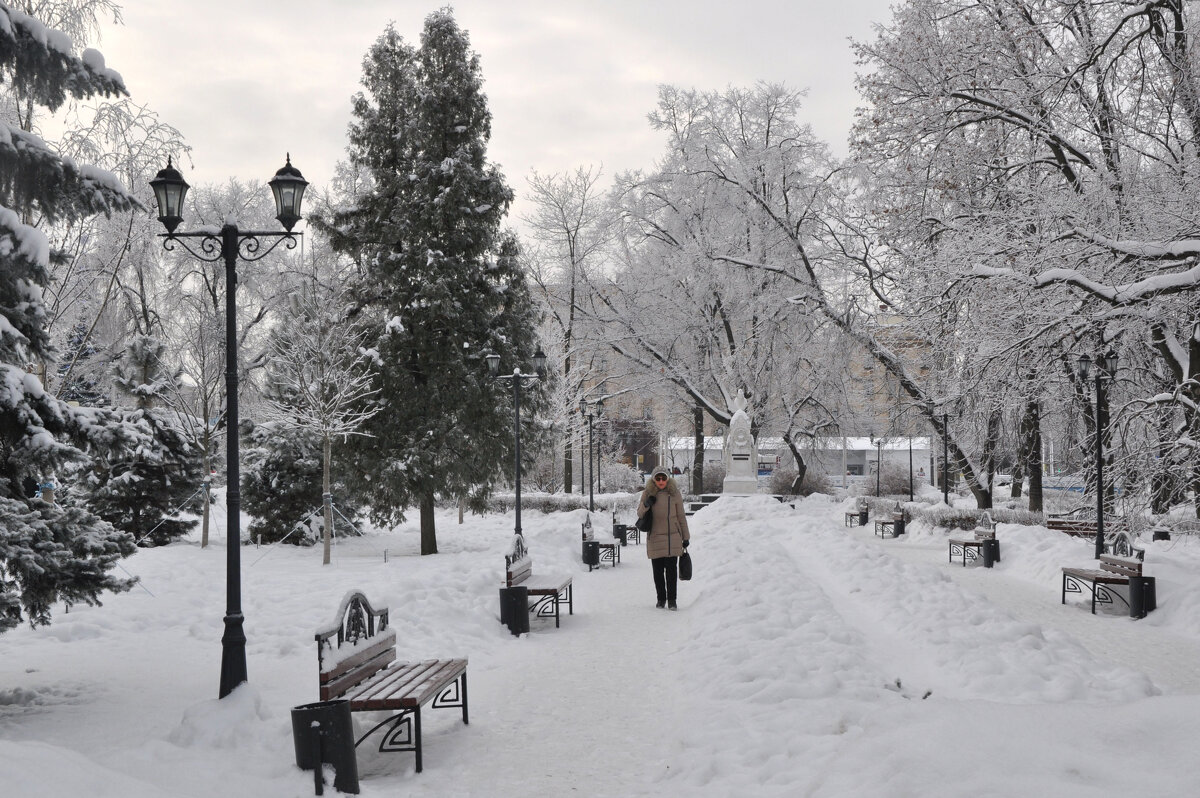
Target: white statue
x,y
741,453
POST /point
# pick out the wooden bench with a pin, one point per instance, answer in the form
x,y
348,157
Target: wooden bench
x,y
972,547
1113,571
1117,539
546,595
857,516
356,658
893,526
608,552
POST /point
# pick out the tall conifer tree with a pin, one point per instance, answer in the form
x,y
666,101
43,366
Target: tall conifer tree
x,y
48,552
443,284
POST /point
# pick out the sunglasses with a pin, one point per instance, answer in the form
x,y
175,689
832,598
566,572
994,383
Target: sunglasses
x,y
660,478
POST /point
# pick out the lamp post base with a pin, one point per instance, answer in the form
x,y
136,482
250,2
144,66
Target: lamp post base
x,y
233,655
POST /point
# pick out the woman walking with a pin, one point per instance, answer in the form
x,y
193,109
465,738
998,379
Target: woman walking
x,y
668,535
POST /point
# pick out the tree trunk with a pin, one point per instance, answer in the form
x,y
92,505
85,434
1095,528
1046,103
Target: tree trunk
x,y
698,450
327,499
207,500
1032,439
801,466
428,530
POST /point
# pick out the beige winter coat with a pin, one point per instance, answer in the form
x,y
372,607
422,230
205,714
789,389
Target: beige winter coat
x,y
670,528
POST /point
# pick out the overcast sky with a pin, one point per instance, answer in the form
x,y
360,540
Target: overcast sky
x,y
569,82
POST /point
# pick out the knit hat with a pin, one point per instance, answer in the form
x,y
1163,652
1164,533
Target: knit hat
x,y
660,470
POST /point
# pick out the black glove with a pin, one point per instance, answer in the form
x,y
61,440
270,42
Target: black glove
x,y
685,543
650,500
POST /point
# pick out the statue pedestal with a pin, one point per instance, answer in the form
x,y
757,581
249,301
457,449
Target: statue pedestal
x,y
740,478
739,486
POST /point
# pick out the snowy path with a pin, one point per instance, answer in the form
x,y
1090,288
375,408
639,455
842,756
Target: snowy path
x,y
601,688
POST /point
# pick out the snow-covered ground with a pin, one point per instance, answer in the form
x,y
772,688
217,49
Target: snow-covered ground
x,y
807,659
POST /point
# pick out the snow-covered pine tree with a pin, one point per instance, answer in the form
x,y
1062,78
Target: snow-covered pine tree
x,y
141,491
428,237
48,552
282,483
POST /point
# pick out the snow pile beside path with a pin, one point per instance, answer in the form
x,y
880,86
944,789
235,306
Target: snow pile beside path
x,y
978,650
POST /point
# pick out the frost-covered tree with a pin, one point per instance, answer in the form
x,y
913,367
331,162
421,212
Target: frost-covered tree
x,y
1051,147
321,379
81,382
441,286
570,226
48,552
143,491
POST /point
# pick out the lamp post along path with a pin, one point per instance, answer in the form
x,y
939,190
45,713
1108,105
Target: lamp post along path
x,y
229,245
593,454
539,364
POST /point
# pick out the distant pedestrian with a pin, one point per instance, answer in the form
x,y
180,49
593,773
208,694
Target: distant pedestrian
x,y
668,535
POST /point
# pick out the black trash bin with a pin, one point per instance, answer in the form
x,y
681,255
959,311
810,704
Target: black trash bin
x,y
621,533
862,517
591,553
324,734
897,527
514,608
991,552
1143,596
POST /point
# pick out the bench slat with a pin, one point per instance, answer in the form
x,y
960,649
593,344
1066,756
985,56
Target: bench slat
x,y
405,686
1103,577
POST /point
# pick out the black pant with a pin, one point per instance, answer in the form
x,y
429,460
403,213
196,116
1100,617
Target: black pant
x,y
666,576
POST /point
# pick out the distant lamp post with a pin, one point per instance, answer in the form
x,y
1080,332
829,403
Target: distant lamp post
x,y
231,244
878,443
1105,369
593,475
539,366
910,467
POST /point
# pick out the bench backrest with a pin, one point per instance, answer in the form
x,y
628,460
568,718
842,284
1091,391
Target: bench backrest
x,y
985,529
356,646
1120,566
518,565
586,532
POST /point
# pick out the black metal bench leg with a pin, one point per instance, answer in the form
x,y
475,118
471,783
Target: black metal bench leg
x,y
417,734
464,697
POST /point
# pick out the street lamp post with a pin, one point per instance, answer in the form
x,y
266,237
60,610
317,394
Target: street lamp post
x,y
946,458
910,467
593,479
1105,370
539,365
878,460
229,245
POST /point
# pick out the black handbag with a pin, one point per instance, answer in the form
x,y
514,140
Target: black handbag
x,y
685,566
645,521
